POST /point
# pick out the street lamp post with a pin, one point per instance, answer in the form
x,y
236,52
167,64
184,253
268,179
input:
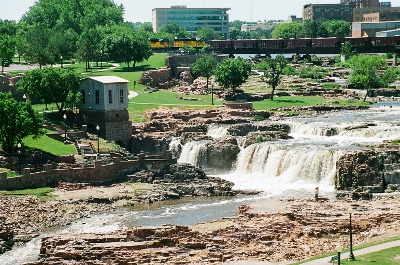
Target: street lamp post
x,y
212,94
98,140
19,157
61,58
351,255
101,59
339,249
65,128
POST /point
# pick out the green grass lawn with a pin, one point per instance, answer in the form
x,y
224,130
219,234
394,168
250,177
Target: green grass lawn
x,y
49,145
42,193
389,256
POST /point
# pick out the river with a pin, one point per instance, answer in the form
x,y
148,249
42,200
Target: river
x,y
279,169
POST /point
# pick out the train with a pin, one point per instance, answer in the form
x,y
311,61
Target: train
x,y
280,45
158,43
303,43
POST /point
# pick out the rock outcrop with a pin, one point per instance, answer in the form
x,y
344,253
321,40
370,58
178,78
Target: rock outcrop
x,y
370,171
300,230
222,153
180,180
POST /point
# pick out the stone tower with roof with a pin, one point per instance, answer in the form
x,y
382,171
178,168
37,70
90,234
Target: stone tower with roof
x,y
105,104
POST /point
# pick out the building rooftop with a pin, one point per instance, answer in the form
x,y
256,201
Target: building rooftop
x,y
109,79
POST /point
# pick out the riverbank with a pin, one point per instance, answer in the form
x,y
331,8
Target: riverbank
x,y
264,231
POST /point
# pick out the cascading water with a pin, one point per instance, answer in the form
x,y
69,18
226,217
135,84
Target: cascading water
x,y
217,130
275,167
194,153
281,169
175,147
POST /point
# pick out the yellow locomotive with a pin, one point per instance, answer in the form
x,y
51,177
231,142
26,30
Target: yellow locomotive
x,y
156,43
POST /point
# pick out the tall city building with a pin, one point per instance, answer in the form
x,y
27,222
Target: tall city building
x,y
328,11
193,19
361,3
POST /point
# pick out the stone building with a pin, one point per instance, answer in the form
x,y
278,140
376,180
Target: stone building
x,y
105,104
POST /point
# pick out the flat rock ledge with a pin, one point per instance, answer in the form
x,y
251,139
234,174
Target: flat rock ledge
x,y
295,230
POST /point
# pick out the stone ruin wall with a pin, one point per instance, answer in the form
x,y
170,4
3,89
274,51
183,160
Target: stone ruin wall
x,y
8,84
168,76
98,174
160,78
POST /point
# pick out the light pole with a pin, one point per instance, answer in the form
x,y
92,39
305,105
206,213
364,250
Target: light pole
x,y
61,58
65,128
351,255
212,94
98,140
24,97
19,157
339,249
101,59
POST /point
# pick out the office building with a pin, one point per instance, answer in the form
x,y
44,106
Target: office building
x,y
385,13
329,11
193,19
361,3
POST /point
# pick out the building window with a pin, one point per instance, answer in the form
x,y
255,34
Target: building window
x,y
83,96
109,96
121,96
97,96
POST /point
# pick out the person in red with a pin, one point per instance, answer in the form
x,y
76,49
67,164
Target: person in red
x,y
316,193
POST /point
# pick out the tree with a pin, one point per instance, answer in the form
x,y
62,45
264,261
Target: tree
x,y
38,48
80,23
272,68
126,45
89,44
174,29
204,66
205,34
364,72
231,73
8,28
7,49
337,28
234,33
347,50
17,121
313,29
63,43
52,85
287,30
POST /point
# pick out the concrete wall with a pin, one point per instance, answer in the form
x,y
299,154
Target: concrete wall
x,y
98,174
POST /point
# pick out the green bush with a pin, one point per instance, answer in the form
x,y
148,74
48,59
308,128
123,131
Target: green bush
x,y
330,86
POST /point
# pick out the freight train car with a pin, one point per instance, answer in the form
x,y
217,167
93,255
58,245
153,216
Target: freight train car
x,y
333,42
156,43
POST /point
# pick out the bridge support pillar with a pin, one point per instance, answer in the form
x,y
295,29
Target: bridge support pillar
x,y
394,59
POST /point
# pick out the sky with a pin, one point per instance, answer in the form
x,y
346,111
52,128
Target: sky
x,y
140,10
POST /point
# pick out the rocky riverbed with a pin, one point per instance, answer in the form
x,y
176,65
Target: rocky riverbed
x,y
22,217
276,231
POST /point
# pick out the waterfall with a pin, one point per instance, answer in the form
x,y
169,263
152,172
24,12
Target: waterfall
x,y
318,129
194,153
175,147
275,166
371,133
379,132
217,130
